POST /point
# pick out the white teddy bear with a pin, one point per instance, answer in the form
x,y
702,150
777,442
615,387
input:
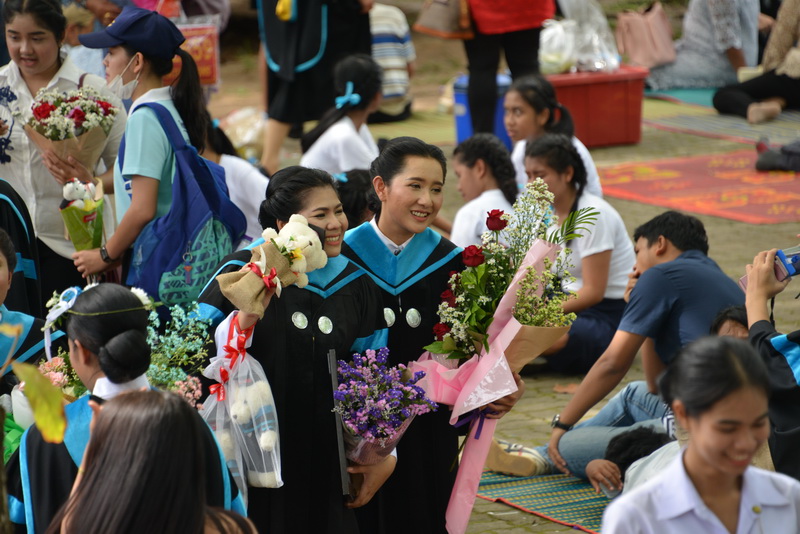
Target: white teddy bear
x,y
78,194
297,234
253,411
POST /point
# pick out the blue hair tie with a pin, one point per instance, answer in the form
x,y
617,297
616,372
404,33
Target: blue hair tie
x,y
340,176
349,97
215,123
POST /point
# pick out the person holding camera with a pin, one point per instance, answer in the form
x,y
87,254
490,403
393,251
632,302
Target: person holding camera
x,y
781,354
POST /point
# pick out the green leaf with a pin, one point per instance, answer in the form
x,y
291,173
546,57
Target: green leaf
x,y
46,400
437,347
448,345
573,226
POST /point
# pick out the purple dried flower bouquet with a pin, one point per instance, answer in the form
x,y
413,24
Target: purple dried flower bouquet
x,y
377,404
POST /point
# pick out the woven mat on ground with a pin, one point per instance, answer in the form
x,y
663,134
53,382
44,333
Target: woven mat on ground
x,y
430,126
700,97
560,498
723,185
781,131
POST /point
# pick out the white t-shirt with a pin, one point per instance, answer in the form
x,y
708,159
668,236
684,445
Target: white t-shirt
x,y
247,188
607,233
770,502
341,148
592,178
470,221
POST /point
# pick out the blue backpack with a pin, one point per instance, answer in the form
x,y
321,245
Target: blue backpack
x,y
176,254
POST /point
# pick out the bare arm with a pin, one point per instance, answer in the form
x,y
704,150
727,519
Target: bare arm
x,y
761,286
652,364
594,270
736,58
601,379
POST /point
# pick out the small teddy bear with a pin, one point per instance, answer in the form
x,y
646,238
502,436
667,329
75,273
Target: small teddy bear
x,y
253,411
77,194
296,235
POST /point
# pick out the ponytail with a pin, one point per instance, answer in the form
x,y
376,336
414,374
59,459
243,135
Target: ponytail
x,y
539,94
187,94
495,156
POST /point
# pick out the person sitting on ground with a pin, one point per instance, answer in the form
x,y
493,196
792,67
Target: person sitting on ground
x,y
486,181
599,261
144,472
718,389
731,322
106,328
780,354
532,110
719,37
677,290
394,51
341,140
762,98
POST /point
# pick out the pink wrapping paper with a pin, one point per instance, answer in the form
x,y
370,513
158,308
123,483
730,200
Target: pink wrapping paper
x,y
480,381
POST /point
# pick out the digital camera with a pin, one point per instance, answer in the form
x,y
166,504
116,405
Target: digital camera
x,y
787,262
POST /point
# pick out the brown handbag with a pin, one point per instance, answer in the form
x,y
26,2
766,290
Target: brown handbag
x,y
645,36
448,19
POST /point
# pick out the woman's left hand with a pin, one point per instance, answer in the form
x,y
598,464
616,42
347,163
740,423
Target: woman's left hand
x,y
373,478
64,170
89,262
500,407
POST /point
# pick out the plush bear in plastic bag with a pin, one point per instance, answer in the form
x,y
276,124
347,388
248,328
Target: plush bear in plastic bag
x,y
253,411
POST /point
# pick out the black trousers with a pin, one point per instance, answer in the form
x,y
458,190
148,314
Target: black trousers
x,y
734,99
521,50
56,273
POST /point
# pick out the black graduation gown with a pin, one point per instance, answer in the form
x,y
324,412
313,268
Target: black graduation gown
x,y
301,54
25,293
30,345
340,310
781,354
415,497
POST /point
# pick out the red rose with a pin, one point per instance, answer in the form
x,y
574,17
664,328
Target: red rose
x,y
78,117
449,297
494,222
472,256
106,106
43,110
440,330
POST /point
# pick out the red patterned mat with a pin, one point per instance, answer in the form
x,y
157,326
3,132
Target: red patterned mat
x,y
723,185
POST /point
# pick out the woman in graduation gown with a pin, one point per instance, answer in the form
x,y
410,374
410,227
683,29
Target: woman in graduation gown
x,y
106,327
338,310
412,265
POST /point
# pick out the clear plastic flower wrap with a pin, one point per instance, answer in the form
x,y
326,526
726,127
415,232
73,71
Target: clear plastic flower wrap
x,y
241,410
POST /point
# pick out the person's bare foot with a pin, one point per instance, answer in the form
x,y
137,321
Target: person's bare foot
x,y
762,112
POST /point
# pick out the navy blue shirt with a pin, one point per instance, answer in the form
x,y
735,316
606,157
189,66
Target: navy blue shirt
x,y
675,302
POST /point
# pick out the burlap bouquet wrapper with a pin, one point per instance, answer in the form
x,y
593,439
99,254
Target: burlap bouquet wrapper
x,y
85,148
530,342
246,290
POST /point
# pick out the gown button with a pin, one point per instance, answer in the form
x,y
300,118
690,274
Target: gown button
x,y
299,320
325,325
413,318
388,315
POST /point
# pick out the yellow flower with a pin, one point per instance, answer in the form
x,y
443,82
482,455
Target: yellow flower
x,y
295,254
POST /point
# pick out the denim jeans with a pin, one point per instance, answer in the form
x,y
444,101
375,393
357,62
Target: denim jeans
x,y
633,407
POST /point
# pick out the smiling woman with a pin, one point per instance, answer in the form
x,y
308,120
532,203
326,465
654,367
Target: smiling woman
x,y
411,264
718,389
338,310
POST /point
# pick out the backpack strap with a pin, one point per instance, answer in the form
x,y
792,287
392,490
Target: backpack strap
x,y
174,134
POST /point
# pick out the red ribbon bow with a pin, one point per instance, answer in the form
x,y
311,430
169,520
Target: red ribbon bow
x,y
219,389
269,279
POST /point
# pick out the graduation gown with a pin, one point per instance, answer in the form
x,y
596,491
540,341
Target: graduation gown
x,y
30,346
25,293
415,497
781,354
338,310
40,475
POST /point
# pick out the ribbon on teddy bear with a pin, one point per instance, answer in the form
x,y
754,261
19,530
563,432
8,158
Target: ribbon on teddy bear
x,y
271,280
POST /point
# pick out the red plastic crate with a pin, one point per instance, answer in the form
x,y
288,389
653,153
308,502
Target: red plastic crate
x,y
605,106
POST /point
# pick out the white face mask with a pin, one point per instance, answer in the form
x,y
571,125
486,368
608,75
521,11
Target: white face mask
x,y
123,91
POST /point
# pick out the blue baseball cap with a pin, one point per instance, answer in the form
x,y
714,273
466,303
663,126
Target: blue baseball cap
x,y
143,30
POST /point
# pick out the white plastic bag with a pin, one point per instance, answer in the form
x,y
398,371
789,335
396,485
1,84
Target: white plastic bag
x,y
596,48
241,411
557,46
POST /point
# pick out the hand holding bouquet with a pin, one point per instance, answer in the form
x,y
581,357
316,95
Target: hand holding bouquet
x,y
73,124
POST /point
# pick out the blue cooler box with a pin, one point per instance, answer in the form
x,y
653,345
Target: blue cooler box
x,y
461,109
